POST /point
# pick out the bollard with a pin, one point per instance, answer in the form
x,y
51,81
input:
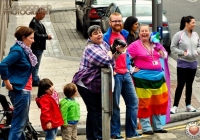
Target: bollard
x,y
106,89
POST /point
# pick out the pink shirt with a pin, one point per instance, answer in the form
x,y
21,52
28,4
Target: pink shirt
x,y
120,66
144,59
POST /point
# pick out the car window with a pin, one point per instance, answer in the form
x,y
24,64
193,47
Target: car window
x,y
141,10
104,2
109,11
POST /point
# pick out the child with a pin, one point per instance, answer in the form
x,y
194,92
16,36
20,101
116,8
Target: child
x,y
70,110
50,117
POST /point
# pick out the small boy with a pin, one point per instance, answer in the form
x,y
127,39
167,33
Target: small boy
x,y
70,110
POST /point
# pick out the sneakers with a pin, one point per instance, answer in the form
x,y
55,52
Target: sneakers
x,y
174,110
117,137
190,108
135,137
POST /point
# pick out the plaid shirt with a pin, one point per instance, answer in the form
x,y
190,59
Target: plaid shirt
x,y
94,58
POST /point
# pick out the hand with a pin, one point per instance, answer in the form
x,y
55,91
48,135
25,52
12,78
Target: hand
x,y
49,36
185,53
120,49
110,54
8,85
49,125
161,53
136,69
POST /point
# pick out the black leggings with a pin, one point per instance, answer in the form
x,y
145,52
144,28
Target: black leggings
x,y
184,76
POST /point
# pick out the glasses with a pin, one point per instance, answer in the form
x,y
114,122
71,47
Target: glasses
x,y
115,21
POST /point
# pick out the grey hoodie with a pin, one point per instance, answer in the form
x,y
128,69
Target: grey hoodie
x,y
181,42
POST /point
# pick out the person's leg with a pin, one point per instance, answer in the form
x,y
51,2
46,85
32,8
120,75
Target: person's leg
x,y
131,101
38,54
21,103
146,124
51,134
94,115
189,81
74,132
156,123
181,80
115,118
66,132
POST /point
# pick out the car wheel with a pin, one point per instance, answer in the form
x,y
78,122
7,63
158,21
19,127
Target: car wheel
x,y
85,34
78,26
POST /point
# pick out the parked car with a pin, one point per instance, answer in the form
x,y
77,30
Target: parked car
x,y
143,13
89,12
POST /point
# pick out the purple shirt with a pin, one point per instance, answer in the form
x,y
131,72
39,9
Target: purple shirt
x,y
185,64
94,58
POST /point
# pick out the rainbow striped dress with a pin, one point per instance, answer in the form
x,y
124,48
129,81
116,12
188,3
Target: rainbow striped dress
x,y
152,92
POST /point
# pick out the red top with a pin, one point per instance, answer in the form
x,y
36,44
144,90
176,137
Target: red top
x,y
120,65
29,83
50,111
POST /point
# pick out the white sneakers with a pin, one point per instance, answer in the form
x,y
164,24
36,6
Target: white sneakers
x,y
174,110
189,108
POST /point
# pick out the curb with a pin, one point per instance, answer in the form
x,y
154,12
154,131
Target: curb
x,y
175,120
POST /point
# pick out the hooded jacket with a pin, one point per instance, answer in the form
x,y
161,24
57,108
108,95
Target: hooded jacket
x,y
50,111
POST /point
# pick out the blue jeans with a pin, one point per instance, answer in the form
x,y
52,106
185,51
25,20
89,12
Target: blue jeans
x,y
51,134
124,86
156,123
21,103
94,115
38,54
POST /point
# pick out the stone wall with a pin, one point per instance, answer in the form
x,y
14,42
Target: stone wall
x,y
4,19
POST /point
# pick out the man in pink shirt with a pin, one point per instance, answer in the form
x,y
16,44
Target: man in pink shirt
x,y
123,83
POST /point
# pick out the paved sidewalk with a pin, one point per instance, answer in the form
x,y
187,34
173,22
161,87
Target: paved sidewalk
x,y
61,59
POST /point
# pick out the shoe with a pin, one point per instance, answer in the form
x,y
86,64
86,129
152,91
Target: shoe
x,y
190,108
148,132
174,110
117,137
138,136
161,131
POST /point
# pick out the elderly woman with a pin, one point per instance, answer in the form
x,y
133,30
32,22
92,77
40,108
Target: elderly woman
x,y
131,24
96,55
149,81
15,71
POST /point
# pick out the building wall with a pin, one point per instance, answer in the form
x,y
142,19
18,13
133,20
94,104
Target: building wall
x,y
4,19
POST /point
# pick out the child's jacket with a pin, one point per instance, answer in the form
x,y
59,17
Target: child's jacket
x,y
70,110
50,111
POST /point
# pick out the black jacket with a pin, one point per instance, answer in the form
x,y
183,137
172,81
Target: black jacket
x,y
40,35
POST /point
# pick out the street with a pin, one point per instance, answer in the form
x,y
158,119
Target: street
x,y
176,9
177,132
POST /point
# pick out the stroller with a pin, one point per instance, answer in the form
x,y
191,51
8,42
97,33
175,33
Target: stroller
x,y
5,124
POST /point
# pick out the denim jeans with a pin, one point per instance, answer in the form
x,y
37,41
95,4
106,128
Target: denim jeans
x,y
156,123
94,115
51,134
21,103
124,86
38,54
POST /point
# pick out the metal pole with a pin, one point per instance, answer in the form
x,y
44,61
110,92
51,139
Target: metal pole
x,y
133,8
159,16
106,90
154,15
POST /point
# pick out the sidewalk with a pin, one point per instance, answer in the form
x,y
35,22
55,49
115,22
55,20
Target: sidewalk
x,y
61,60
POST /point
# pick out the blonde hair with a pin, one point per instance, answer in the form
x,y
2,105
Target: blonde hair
x,y
114,14
141,25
